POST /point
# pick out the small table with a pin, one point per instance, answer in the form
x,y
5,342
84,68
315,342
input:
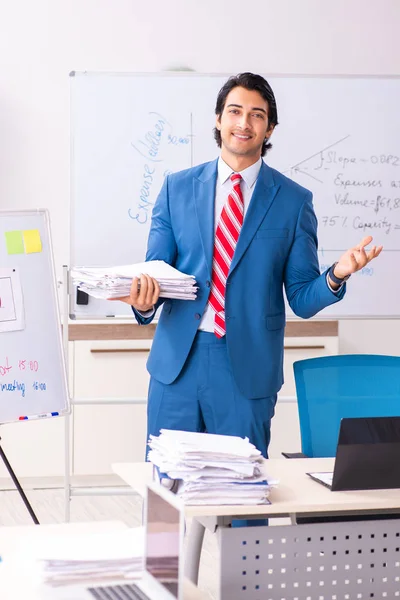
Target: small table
x,y
16,583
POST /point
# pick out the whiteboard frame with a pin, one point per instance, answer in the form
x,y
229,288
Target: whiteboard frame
x,y
188,74
45,213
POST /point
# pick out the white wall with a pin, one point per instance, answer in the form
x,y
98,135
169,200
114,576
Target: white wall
x,y
42,41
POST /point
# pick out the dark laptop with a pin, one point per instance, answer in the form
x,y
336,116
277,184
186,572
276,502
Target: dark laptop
x,y
367,455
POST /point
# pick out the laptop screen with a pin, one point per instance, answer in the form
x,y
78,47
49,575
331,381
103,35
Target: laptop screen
x,y
369,430
368,454
162,542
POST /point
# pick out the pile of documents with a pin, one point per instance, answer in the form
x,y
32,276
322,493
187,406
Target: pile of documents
x,y
210,469
99,557
115,282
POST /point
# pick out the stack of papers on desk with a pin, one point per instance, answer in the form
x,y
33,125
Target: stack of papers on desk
x,y
211,469
115,282
92,557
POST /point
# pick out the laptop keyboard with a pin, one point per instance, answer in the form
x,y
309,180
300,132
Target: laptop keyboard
x,y
128,591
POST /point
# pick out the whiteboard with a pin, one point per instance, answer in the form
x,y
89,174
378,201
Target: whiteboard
x,y
33,380
337,136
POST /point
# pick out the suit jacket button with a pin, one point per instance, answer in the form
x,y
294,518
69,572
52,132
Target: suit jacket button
x,y
197,316
208,283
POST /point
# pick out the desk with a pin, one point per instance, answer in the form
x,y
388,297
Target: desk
x,y
298,495
13,586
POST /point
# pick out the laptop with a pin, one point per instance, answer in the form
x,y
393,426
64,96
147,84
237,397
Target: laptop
x,y
163,577
367,455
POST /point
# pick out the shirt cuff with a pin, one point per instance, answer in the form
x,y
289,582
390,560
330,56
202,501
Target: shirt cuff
x,y
147,314
331,288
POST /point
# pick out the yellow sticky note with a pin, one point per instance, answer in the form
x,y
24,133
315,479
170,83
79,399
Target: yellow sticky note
x,y
14,242
32,241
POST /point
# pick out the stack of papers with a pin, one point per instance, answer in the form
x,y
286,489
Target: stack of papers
x,y
115,282
211,469
92,557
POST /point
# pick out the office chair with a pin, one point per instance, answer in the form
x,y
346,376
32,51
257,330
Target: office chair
x,y
346,385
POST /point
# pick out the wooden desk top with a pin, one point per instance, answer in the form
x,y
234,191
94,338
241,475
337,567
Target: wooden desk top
x,y
295,493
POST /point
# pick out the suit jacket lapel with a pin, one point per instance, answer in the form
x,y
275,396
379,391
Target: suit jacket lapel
x,y
261,200
204,197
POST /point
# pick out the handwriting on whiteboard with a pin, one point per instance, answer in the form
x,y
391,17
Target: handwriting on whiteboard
x,y
156,147
361,191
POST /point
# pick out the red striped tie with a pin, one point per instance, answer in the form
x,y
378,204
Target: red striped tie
x,y
226,237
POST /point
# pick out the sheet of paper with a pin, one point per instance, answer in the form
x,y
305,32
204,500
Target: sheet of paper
x,y
188,440
115,282
98,546
154,268
211,468
11,301
324,477
14,242
66,558
32,241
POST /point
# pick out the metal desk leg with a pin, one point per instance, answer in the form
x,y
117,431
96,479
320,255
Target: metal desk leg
x,y
193,551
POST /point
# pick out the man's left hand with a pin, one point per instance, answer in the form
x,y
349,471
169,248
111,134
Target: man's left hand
x,y
356,258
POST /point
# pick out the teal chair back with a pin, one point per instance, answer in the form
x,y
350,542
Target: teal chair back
x,y
347,385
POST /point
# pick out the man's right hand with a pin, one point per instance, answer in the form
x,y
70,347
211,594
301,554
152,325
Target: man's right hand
x,y
144,293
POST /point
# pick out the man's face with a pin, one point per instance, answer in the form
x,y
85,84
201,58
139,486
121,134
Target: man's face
x,y
243,124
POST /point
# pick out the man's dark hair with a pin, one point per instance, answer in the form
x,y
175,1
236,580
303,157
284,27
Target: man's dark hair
x,y
249,81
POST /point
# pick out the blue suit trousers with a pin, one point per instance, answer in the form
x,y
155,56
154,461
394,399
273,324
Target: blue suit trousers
x,y
205,398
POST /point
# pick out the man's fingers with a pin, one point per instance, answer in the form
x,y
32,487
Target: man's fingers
x,y
134,293
364,242
144,293
148,289
142,300
126,299
361,257
374,252
354,263
156,292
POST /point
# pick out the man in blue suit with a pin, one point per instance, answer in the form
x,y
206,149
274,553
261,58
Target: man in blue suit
x,y
217,366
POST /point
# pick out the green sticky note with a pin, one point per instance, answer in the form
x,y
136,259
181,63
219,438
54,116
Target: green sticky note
x,y
32,241
14,242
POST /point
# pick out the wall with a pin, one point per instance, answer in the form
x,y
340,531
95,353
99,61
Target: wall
x,y
42,41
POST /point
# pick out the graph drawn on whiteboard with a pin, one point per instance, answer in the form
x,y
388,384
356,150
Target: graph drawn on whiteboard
x,y
11,301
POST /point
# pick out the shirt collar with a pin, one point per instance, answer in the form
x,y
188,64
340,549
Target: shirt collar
x,y
249,175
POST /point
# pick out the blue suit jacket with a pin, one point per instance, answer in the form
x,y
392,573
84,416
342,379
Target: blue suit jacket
x,y
277,248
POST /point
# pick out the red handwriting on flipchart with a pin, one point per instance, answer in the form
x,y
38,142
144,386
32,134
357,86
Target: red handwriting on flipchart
x,y
23,365
4,369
